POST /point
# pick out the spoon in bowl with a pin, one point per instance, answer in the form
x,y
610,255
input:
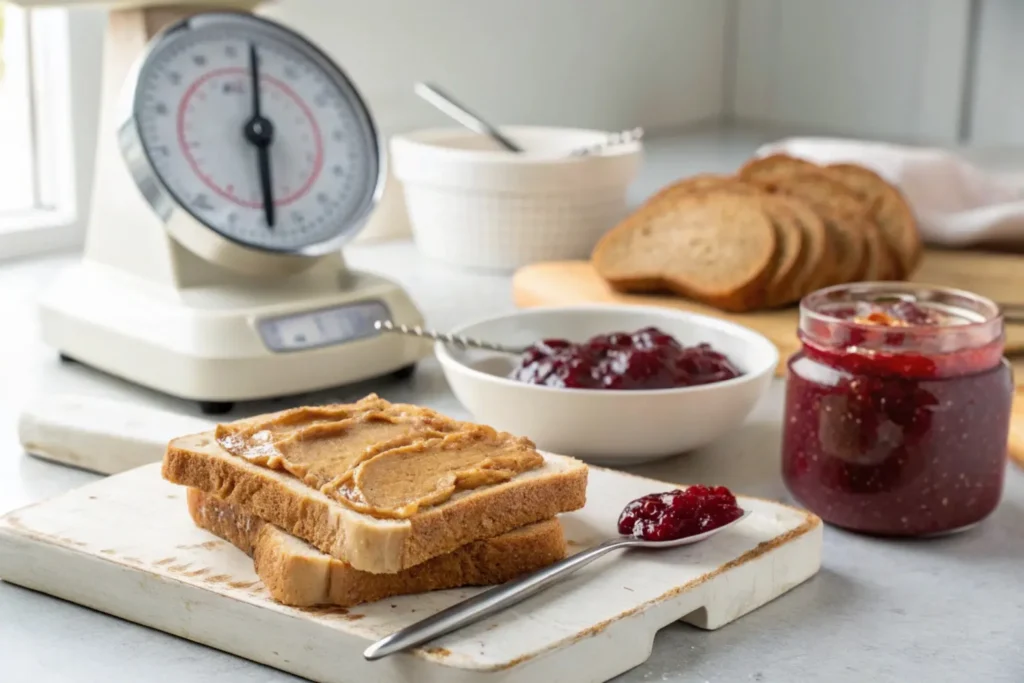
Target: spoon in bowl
x,y
496,599
457,340
447,105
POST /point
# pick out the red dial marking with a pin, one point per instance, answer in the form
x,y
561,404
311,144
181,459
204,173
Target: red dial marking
x,y
228,192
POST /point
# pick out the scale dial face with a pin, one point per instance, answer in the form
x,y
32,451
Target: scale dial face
x,y
255,133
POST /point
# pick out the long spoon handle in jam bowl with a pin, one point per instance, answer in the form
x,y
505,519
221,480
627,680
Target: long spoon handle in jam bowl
x,y
613,140
494,600
458,340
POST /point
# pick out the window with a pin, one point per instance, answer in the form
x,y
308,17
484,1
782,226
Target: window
x,y
45,144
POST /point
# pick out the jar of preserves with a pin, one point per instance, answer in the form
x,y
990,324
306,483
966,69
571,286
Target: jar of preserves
x,y
897,408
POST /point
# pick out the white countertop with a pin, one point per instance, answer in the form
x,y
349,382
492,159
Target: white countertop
x,y
949,609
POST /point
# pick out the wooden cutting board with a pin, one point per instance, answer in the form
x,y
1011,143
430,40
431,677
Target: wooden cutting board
x,y
999,277
125,545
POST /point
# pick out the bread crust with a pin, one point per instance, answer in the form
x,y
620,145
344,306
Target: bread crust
x,y
298,575
816,266
703,183
789,253
368,544
843,214
890,211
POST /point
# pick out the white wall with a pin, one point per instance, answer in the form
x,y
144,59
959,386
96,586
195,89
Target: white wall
x,y
866,67
997,104
595,63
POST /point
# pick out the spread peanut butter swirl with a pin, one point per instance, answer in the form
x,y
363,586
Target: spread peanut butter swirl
x,y
383,459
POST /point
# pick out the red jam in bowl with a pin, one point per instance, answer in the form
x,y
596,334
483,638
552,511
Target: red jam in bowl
x,y
678,514
645,359
897,409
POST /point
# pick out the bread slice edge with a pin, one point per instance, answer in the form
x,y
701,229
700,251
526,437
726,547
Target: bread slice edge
x,y
297,574
369,544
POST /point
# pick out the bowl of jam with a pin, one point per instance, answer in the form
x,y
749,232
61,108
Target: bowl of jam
x,y
612,384
897,408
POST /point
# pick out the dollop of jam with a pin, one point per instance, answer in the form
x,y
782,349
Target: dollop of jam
x,y
645,359
680,513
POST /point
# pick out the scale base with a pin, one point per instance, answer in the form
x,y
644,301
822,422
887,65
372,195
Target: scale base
x,y
203,345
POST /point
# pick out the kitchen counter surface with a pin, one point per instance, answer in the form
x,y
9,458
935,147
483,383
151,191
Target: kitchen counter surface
x,y
949,609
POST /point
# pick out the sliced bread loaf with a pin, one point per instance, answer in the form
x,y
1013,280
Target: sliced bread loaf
x,y
703,184
765,171
789,249
297,574
817,263
890,211
843,214
880,263
717,248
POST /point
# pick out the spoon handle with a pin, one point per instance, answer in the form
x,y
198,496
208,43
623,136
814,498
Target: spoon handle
x,y
491,601
613,139
447,104
453,339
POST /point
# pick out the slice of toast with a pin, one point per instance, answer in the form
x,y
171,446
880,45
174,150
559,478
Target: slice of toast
x,y
885,205
843,214
788,235
814,269
765,171
704,183
789,251
890,210
718,248
881,264
297,574
370,543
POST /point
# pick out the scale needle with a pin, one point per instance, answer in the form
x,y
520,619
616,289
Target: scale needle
x,y
259,131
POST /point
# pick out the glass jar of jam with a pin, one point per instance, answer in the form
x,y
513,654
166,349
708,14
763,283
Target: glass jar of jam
x,y
897,408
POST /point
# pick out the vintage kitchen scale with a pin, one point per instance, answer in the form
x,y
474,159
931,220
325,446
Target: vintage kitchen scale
x,y
235,158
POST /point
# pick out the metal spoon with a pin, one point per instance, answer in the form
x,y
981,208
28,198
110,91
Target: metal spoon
x,y
446,104
494,600
457,340
613,139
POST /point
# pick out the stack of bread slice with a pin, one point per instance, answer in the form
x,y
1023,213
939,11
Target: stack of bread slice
x,y
779,229
345,504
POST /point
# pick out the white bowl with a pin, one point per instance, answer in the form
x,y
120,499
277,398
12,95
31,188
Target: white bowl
x,y
608,427
473,206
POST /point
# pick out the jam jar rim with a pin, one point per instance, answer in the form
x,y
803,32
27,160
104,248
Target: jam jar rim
x,y
992,322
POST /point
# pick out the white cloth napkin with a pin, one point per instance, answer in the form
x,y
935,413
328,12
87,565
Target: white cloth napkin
x,y
956,203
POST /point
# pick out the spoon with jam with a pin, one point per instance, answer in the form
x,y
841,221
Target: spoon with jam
x,y
656,521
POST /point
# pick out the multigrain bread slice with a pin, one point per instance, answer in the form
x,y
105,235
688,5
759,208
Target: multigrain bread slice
x,y
765,171
717,248
844,216
297,574
366,542
890,211
789,234
789,249
814,269
881,264
704,183
887,209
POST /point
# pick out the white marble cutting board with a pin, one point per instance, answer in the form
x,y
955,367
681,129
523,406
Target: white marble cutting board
x,y
125,545
100,434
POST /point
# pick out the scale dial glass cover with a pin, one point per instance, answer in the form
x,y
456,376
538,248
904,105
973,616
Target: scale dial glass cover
x,y
193,99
